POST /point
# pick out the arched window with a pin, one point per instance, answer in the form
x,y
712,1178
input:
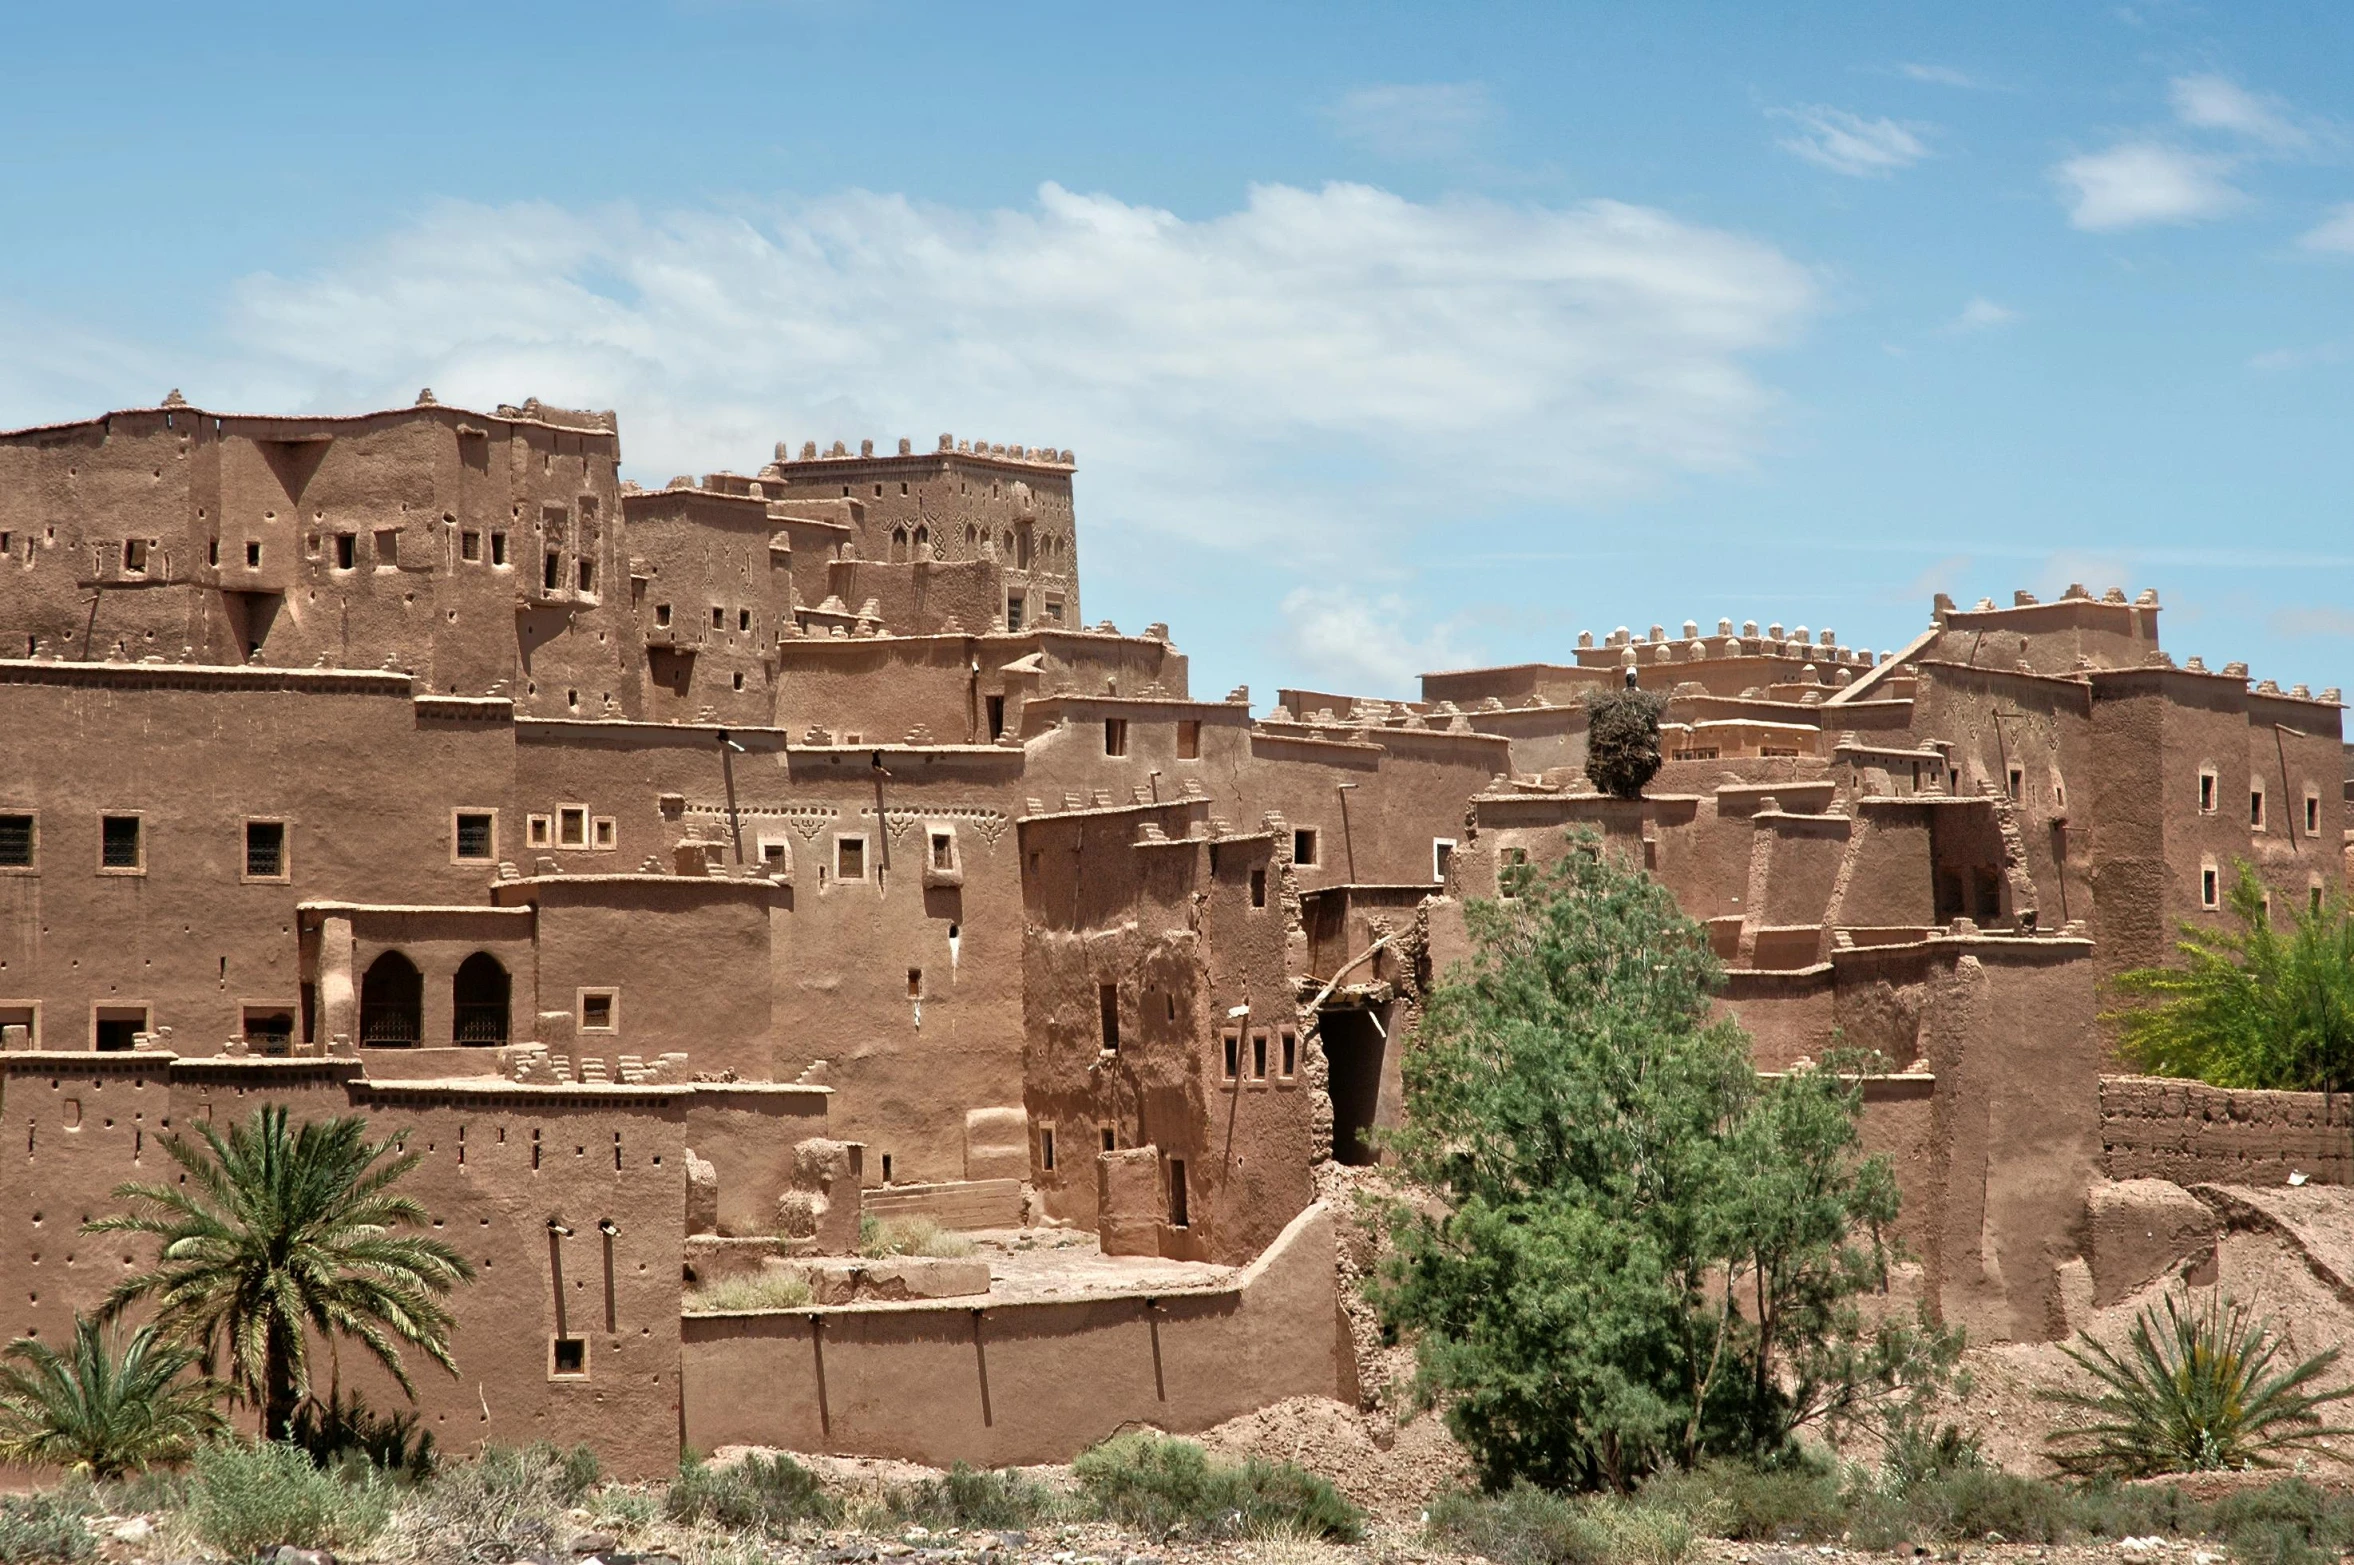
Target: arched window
x,y
1005,545
922,540
898,543
478,1000
392,1003
972,537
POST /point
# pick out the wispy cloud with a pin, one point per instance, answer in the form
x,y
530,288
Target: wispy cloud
x,y
2139,182
1850,144
1939,76
1309,365
1339,636
1427,120
2316,621
2219,103
1981,314
2334,235
2274,361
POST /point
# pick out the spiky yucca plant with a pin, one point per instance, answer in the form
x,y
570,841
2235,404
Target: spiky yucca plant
x,y
102,1408
2200,1389
280,1233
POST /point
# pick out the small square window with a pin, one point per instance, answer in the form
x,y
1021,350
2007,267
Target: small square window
x,y
849,858
569,1356
498,548
943,850
774,855
477,835
1115,736
662,614
121,845
253,555
16,842
347,550
539,830
135,556
718,617
602,832
265,850
115,1029
469,545
572,827
599,1010
1189,739
1303,847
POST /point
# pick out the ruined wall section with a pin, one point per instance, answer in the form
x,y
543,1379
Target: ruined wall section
x,y
2190,1133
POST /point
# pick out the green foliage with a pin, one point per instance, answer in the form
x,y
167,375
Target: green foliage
x,y
1525,1525
245,1496
969,1497
345,1428
2287,1523
2251,1006
1164,1486
277,1235
506,1503
883,1237
1786,1502
1612,1175
761,1290
1622,739
766,1494
104,1407
2203,1388
47,1527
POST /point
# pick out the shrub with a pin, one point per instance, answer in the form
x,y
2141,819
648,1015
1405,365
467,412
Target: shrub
x,y
758,1494
47,1527
106,1405
1159,1485
344,1427
506,1503
2195,1391
1791,1503
762,1290
245,1496
2287,1523
1970,1502
969,1497
881,1237
1622,739
1523,1525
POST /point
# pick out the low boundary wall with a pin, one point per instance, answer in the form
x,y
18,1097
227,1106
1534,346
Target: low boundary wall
x,y
2155,1127
994,1385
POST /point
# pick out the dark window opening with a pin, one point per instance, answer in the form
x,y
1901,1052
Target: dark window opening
x,y
135,556
1291,1053
265,849
551,570
943,851
1115,736
571,1356
479,1000
662,614
16,842
1233,1055
212,552
596,1012
850,858
2256,808
269,1032
346,550
1046,1148
1258,888
1111,1139
1107,998
392,1002
1353,1053
588,575
2312,814
2206,793
2207,888
915,983
996,716
1303,847
118,1030
118,842
743,619
1442,859
1189,740
1013,612
1178,1216
498,548
469,546
1258,1056
886,1168
474,836
2015,783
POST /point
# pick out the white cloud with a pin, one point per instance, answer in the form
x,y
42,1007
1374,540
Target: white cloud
x,y
1414,120
1939,75
1337,638
1850,144
2335,233
2218,103
2134,183
1314,366
1980,314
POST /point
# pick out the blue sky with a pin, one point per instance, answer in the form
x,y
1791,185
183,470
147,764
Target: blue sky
x,y
1388,337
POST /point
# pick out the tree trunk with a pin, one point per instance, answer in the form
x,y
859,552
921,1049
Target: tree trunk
x,y
277,1386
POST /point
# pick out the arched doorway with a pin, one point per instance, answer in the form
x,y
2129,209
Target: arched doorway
x,y
392,1003
478,1000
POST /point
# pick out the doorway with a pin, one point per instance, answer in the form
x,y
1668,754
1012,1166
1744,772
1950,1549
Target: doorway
x,y
1354,1051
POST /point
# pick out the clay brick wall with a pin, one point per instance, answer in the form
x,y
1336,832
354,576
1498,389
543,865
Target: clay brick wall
x,y
2191,1133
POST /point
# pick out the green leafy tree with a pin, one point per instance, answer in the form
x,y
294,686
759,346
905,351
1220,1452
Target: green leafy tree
x,y
1641,1253
103,1407
280,1233
1622,739
2203,1388
2250,1006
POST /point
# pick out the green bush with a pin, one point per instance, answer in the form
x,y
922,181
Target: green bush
x,y
2199,1389
507,1502
765,1494
969,1497
1523,1525
1790,1503
1166,1486
2287,1523
1969,1503
244,1496
47,1526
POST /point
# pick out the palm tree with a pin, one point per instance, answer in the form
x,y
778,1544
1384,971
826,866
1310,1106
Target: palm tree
x,y
100,1411
279,1233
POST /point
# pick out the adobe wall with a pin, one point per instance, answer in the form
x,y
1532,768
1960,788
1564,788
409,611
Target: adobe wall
x,y
709,596
188,936
500,1161
748,1131
2190,1133
888,688
1021,1383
